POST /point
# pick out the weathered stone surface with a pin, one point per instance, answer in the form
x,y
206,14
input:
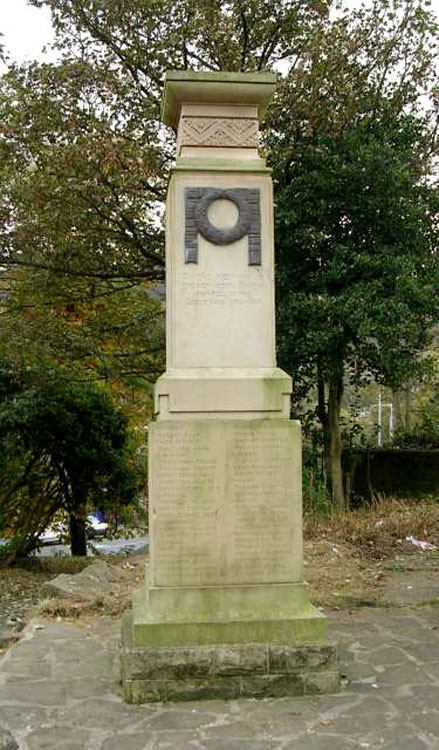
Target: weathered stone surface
x,y
95,578
31,691
272,686
167,663
239,744
317,683
182,718
151,691
212,525
23,717
107,712
128,741
57,738
7,741
286,658
160,674
227,687
25,668
245,659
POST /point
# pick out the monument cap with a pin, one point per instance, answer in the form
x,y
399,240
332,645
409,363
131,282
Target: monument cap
x,y
215,88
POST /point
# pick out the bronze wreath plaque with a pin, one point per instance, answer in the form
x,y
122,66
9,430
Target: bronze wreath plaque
x,y
197,202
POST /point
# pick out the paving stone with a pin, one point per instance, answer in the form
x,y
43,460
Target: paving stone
x,y
175,741
181,719
109,714
214,706
84,650
426,720
239,744
75,701
25,668
59,738
402,737
409,674
25,718
126,741
53,630
86,668
242,730
94,688
35,692
34,649
389,655
323,742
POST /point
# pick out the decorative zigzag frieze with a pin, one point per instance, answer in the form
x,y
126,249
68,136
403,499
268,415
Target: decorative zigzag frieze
x,y
232,132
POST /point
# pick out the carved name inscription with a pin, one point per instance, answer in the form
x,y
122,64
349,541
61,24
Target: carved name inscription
x,y
225,502
221,289
182,511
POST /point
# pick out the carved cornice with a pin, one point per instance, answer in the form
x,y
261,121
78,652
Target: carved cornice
x,y
227,132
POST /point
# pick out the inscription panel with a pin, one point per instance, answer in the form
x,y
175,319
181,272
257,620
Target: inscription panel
x,y
225,503
221,289
220,309
224,319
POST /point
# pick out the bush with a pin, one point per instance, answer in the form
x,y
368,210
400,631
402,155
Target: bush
x,y
63,445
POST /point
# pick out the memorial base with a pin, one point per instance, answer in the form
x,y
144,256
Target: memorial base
x,y
223,611
228,670
168,658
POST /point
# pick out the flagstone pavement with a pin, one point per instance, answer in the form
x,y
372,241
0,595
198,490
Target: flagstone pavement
x,y
59,690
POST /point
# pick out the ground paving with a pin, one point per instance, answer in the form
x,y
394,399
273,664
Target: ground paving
x,y
59,690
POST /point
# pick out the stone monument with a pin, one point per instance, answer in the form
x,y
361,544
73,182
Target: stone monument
x,y
224,611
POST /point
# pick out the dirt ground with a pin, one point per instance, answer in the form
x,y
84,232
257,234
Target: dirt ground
x,y
350,560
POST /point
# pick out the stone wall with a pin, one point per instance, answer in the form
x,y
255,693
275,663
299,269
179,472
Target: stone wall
x,y
392,472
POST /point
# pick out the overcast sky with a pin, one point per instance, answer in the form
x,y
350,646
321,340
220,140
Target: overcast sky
x,y
27,29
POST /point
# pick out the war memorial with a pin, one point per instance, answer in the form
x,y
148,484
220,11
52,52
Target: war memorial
x,y
223,611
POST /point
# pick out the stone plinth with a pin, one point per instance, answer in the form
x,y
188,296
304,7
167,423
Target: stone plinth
x,y
224,610
225,670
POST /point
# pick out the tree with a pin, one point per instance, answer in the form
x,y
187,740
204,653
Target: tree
x,y
49,322
63,446
84,162
357,274
352,148
85,158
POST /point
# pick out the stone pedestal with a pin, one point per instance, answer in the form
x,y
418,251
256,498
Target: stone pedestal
x,y
224,610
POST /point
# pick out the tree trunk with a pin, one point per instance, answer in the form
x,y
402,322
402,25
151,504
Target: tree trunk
x,y
323,417
408,408
78,539
335,471
397,416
